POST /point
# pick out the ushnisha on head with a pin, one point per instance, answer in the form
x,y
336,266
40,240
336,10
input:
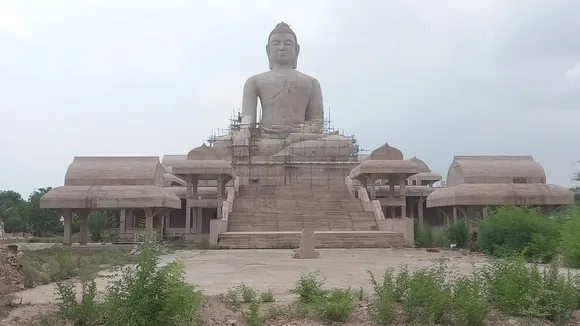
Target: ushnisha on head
x,y
282,47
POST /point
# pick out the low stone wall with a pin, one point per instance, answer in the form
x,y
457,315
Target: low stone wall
x,y
215,228
404,225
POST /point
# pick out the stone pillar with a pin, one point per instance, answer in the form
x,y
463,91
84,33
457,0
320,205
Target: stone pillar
x,y
412,209
130,217
122,221
373,188
187,219
220,195
167,221
392,209
149,224
403,195
420,209
484,213
158,224
470,212
67,238
454,214
84,226
194,228
191,185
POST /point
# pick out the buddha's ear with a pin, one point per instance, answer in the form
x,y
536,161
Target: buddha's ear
x,y
268,54
295,63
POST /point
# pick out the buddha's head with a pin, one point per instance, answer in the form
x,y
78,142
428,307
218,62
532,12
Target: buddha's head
x,y
282,47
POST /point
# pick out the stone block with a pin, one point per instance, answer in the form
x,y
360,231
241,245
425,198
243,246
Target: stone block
x,y
307,244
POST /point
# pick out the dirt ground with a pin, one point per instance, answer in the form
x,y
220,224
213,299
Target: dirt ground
x,y
216,271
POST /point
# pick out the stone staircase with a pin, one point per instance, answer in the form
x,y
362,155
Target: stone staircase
x,y
273,217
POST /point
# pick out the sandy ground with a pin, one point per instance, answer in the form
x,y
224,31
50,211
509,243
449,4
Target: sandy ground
x,y
215,271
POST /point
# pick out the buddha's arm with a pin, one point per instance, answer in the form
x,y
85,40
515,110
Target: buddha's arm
x,y
250,102
315,110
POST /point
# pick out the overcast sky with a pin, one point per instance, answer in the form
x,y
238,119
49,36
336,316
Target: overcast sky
x,y
142,77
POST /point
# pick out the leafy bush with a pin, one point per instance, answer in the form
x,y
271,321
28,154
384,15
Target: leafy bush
x,y
336,306
457,233
98,223
570,230
252,317
267,296
429,236
309,287
510,229
232,299
85,312
522,290
151,295
423,236
383,304
248,294
428,295
333,306
470,300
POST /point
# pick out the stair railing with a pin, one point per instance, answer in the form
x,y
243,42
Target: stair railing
x,y
349,186
370,205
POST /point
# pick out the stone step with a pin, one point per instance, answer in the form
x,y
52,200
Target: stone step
x,y
324,239
294,207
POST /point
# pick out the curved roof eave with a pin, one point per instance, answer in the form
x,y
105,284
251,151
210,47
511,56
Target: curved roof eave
x,y
109,197
384,167
540,194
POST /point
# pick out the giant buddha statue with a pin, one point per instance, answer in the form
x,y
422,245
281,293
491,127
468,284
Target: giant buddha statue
x,y
292,116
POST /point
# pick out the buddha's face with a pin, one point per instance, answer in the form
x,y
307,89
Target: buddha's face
x,y
282,49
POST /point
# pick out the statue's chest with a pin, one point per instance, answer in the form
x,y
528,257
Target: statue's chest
x,y
286,87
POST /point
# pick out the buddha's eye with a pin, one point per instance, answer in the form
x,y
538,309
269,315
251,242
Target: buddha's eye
x,y
275,43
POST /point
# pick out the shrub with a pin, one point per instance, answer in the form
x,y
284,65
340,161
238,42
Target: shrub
x,y
423,236
469,300
63,265
570,230
98,223
522,290
457,233
85,312
382,309
429,236
428,295
274,312
336,306
232,299
151,295
439,237
252,317
309,287
267,296
510,229
248,294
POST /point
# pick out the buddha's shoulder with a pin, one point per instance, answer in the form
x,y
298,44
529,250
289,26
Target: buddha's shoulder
x,y
281,73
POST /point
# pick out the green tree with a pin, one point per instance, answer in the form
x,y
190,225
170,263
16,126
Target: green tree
x,y
41,221
10,210
99,222
576,189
